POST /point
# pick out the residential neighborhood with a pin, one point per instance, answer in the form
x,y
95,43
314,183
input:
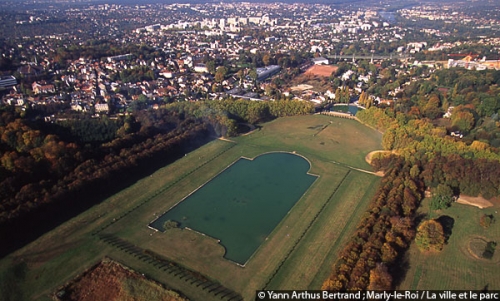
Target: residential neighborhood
x,y
190,52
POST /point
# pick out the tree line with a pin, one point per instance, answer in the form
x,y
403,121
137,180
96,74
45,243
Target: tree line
x,y
224,115
373,254
42,174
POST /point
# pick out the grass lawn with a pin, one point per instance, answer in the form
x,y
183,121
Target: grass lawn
x,y
297,254
323,137
455,267
310,262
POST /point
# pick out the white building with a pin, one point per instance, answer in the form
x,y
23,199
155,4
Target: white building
x,y
7,81
201,68
320,61
347,75
366,27
101,107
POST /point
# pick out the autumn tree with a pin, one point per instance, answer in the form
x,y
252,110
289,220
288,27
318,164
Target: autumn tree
x,y
220,74
389,254
432,107
430,236
380,279
266,59
462,119
365,100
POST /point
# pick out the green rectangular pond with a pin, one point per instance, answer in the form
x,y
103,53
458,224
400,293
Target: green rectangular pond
x,y
244,203
344,108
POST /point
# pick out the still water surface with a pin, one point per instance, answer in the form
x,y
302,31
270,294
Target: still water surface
x,y
242,205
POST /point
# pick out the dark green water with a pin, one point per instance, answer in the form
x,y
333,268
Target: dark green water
x,y
243,204
346,108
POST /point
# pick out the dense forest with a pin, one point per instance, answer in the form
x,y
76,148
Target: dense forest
x,y
49,171
471,98
224,115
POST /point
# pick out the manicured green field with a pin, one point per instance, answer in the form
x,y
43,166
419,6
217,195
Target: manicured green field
x,y
297,254
455,267
323,137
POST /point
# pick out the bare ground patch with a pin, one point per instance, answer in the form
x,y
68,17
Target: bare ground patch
x,y
474,201
109,281
301,87
309,81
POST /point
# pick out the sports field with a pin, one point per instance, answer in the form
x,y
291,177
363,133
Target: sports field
x,y
322,70
297,254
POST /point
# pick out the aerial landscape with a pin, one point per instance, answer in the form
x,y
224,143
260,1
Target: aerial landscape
x,y
218,150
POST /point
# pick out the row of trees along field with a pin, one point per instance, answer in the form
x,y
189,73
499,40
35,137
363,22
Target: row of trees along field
x,y
42,174
54,169
374,253
225,114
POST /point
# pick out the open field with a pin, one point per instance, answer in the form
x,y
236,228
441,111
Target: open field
x,y
302,88
456,266
297,254
309,81
317,136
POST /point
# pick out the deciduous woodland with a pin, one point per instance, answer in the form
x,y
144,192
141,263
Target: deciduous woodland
x,y
384,233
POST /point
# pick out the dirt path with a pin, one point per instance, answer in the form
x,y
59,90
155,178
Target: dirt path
x,y
378,173
370,155
225,139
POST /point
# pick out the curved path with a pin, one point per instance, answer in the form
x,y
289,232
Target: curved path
x,y
370,155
